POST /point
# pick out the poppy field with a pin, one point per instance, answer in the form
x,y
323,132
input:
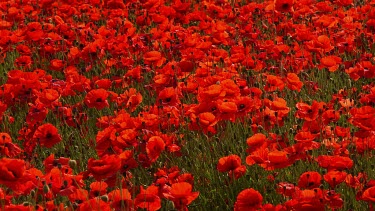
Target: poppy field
x,y
187,105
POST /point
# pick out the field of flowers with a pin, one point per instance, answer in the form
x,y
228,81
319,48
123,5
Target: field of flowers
x,y
187,105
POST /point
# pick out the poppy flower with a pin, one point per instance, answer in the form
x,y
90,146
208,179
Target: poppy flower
x,y
155,145
12,172
98,189
333,199
23,61
97,98
121,200
168,96
274,83
309,180
284,5
47,135
248,199
245,105
335,162
48,96
307,112
74,194
309,200
256,141
334,178
8,148
227,110
330,116
94,205
369,194
279,105
330,62
277,159
363,117
34,31
56,64
205,121
148,199
186,66
293,82
287,189
105,167
231,164
154,57
181,194
131,99
37,113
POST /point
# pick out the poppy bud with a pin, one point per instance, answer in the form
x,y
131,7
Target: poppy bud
x,y
72,163
104,198
45,188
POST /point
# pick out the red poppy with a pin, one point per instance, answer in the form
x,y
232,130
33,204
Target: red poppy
x,y
333,199
256,141
48,96
330,116
276,160
74,194
186,66
97,98
8,148
103,84
37,113
154,57
334,178
168,96
47,135
284,5
335,162
307,112
279,105
34,31
227,110
98,189
155,145
51,162
12,172
274,83
56,64
104,168
246,105
287,189
309,200
330,62
205,121
231,164
293,82
131,99
94,205
121,200
369,194
148,199
24,50
364,145
309,180
23,61
248,199
181,194
363,117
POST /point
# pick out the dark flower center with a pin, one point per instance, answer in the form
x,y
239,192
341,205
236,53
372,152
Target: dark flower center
x,y
285,6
